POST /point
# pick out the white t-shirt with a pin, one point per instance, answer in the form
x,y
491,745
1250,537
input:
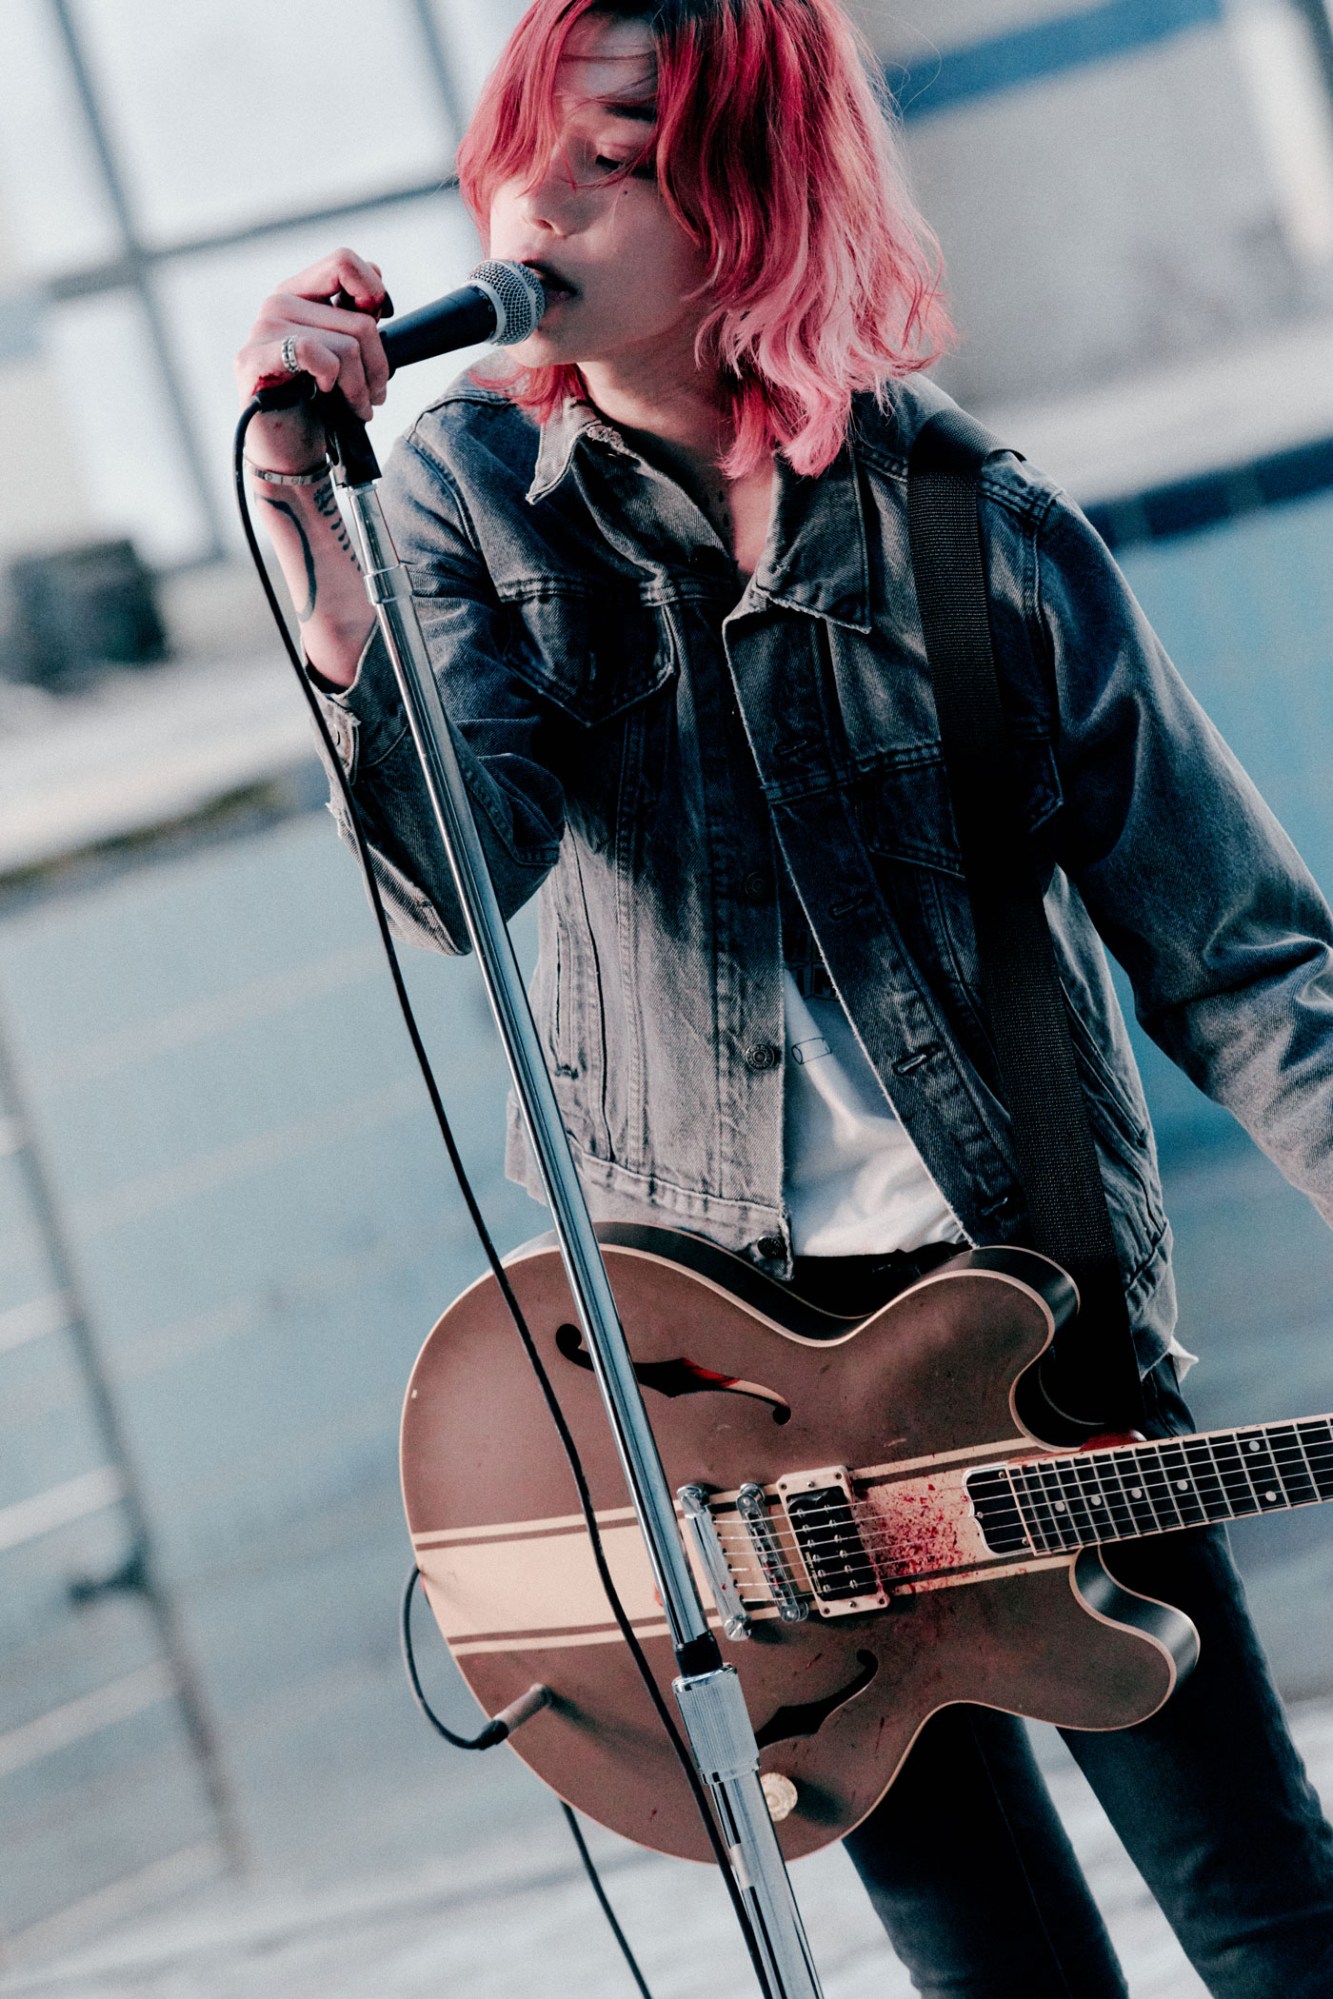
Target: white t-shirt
x,y
853,1182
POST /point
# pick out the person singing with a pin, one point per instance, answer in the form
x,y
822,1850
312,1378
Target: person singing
x,y
661,557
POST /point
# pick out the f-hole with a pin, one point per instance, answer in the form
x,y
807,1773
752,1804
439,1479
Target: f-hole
x,y
677,1377
810,1716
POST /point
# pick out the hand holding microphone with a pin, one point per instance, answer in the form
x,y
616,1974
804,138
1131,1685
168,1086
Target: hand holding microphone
x,y
323,326
324,323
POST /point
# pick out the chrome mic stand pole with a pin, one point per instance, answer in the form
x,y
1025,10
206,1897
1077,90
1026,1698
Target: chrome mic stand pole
x,y
712,1707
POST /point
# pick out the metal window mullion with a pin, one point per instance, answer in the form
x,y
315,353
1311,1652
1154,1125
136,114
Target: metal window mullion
x,y
138,278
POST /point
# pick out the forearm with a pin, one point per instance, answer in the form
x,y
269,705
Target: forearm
x,y
520,819
318,561
301,330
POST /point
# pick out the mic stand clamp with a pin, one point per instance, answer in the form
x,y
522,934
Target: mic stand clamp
x,y
708,1692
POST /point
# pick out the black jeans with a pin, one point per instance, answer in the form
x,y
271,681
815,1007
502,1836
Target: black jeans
x,y
977,1885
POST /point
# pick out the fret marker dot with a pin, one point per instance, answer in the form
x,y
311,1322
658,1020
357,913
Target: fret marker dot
x,y
1253,1444
1136,1492
1270,1495
1182,1485
1059,1506
1096,1499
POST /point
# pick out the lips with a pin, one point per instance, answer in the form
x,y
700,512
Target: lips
x,y
554,283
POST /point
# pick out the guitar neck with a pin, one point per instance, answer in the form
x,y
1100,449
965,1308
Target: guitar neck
x,y
1121,1492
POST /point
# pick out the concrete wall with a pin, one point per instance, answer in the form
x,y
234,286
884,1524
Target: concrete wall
x,y
1104,212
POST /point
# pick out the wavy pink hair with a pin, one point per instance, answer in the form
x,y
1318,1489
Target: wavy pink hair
x,y
775,153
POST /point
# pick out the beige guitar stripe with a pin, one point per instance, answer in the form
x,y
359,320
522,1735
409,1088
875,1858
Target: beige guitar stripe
x,y
514,1530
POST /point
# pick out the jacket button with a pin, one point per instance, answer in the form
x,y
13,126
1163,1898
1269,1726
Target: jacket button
x,y
757,887
762,1055
771,1247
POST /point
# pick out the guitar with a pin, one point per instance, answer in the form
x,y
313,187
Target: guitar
x,y
878,1531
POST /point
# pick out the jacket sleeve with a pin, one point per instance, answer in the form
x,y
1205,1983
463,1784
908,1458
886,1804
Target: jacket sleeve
x,y
507,738
1197,890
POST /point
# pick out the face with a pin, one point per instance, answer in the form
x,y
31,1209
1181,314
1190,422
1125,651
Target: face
x,y
617,267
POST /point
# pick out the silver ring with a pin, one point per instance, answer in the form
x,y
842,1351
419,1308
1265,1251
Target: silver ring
x,y
289,360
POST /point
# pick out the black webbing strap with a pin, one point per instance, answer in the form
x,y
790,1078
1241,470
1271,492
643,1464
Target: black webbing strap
x,y
1092,1375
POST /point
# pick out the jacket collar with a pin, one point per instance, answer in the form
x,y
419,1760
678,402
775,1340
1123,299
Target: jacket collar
x,y
560,435
816,559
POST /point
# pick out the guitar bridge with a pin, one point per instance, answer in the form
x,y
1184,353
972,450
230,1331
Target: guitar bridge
x,y
703,1531
752,1505
823,1522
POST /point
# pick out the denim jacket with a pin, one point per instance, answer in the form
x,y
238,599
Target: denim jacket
x,y
648,743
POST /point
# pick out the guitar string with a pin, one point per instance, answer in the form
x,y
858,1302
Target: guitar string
x,y
1156,1487
1038,1543
1157,1490
1294,1454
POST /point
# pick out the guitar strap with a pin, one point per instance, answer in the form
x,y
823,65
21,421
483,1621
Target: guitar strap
x,y
1091,1373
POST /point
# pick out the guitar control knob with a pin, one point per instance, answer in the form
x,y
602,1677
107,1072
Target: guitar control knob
x,y
780,1793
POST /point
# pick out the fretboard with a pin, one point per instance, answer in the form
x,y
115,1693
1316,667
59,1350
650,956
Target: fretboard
x,y
1053,1505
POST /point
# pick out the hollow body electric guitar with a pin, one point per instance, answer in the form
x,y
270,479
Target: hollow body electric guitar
x,y
874,1529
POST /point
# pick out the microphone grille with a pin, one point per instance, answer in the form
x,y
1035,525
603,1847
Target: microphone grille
x,y
518,298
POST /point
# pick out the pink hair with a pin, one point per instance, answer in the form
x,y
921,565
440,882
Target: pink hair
x,y
775,153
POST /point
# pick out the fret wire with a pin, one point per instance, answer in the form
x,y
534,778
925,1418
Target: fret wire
x,y
1180,1477
1316,1423
1101,1518
1226,1471
1162,1501
1243,1447
1080,1516
1216,1504
1056,1504
1056,1525
1286,1476
1235,1474
1305,1458
1027,1510
1264,1473
1122,1509
1135,1494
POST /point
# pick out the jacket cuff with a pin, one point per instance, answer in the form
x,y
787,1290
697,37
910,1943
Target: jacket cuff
x,y
365,719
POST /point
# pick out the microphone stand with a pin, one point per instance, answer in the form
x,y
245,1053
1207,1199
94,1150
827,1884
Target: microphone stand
x,y
716,1723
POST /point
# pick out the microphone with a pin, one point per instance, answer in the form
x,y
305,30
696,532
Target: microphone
x,y
501,303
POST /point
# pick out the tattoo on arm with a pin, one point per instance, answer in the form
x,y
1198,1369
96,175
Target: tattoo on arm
x,y
326,506
305,612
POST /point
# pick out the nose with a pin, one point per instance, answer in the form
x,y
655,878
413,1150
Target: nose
x,y
551,199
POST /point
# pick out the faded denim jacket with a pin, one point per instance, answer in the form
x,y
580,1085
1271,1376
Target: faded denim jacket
x,y
647,743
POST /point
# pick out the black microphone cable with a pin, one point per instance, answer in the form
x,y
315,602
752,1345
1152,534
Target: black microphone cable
x,y
501,1276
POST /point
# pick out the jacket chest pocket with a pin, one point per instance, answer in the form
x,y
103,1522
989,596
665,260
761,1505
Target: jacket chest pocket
x,y
905,809
599,661
595,655
905,815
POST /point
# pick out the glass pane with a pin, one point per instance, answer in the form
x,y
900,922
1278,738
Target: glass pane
x,y
473,33
424,248
229,109
56,210
133,470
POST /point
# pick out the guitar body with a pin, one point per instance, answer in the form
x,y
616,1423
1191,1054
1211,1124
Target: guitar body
x,y
739,1389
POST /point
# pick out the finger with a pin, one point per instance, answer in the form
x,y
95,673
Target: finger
x,y
288,313
333,359
340,270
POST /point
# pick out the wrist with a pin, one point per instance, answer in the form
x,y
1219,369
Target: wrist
x,y
305,475
286,444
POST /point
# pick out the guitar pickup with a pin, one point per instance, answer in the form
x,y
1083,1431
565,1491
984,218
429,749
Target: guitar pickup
x,y
822,1517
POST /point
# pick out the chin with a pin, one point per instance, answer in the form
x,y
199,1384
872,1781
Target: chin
x,y
539,350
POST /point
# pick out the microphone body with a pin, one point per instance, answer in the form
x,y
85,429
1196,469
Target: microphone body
x,y
501,302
